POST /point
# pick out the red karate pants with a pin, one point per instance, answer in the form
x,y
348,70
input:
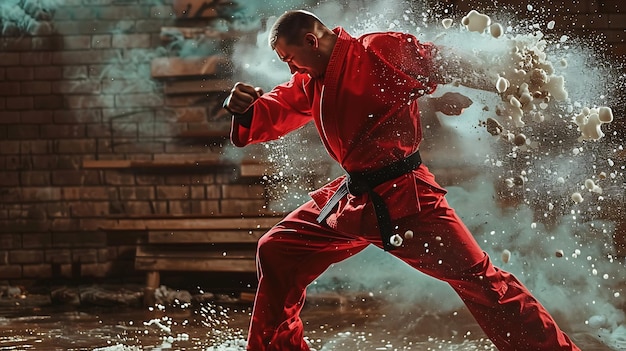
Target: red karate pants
x,y
298,249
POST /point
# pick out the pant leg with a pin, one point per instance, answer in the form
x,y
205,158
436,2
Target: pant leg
x,y
289,257
444,248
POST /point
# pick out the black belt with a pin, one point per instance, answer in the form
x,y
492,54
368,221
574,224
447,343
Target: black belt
x,y
359,183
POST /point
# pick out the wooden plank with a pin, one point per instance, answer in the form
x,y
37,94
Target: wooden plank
x,y
195,252
186,224
106,164
170,67
203,237
187,264
198,86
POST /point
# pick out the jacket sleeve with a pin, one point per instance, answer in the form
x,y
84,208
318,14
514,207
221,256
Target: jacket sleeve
x,y
413,58
285,108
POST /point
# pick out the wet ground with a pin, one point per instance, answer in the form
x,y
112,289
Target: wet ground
x,y
332,323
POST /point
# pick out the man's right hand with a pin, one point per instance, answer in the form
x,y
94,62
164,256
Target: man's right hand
x,y
241,97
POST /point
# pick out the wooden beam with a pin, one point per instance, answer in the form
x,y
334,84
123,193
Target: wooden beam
x,y
197,265
245,224
204,237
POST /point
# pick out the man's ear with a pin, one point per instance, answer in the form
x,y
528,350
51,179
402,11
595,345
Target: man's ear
x,y
311,40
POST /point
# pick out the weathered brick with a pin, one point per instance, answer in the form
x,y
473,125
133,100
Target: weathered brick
x,y
79,239
36,58
47,43
95,193
25,256
82,87
179,207
206,207
63,131
36,117
34,178
23,131
48,72
37,271
98,270
10,178
77,57
172,192
89,209
35,146
162,12
124,12
9,88
79,146
20,103
9,59
85,255
76,42
20,73
148,179
239,191
10,241
136,193
137,207
30,194
9,147
85,102
124,41
130,146
243,207
51,102
58,256
101,41
139,100
117,178
36,240
13,271
213,192
9,44
67,177
9,117
35,88
77,116
75,72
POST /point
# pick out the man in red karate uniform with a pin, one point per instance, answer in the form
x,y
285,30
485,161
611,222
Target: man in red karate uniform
x,y
361,93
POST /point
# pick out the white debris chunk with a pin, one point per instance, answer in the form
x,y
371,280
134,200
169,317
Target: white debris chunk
x,y
577,197
396,240
559,253
502,84
475,21
408,234
447,23
551,24
496,30
590,120
506,256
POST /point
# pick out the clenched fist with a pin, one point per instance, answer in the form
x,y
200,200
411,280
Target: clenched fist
x,y
241,97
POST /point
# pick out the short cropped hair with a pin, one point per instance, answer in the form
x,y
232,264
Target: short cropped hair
x,y
291,25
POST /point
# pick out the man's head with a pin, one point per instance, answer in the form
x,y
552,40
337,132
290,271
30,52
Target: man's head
x,y
302,41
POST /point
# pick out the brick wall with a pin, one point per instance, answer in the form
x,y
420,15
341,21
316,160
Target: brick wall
x,y
77,86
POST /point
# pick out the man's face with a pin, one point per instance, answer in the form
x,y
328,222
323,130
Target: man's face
x,y
301,58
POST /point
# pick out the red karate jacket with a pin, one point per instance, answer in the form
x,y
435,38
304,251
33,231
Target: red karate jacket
x,y
366,113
